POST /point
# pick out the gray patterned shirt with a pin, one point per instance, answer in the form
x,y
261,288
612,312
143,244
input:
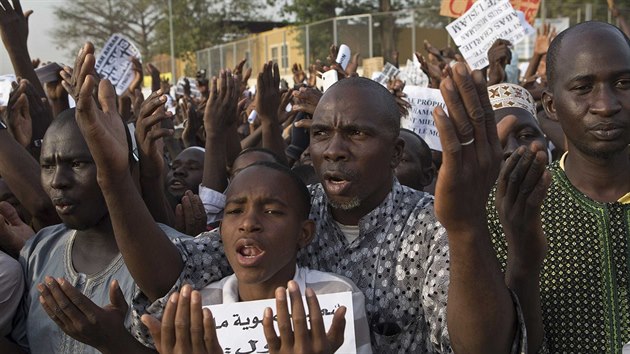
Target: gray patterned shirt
x,y
400,261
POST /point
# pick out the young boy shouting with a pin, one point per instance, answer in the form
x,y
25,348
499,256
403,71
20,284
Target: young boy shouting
x,y
264,225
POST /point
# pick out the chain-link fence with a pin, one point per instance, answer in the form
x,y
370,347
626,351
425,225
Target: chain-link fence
x,y
373,35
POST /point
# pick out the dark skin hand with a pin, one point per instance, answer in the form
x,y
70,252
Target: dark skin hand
x,y
243,75
294,335
267,103
83,320
190,215
431,70
18,117
13,231
83,66
481,317
298,74
185,327
499,55
14,34
58,96
306,99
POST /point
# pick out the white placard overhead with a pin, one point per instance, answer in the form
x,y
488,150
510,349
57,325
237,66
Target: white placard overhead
x,y
480,26
5,88
114,62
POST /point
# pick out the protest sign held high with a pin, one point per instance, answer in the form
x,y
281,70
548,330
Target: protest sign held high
x,y
485,22
456,8
114,62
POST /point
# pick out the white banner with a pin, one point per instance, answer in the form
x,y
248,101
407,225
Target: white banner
x,y
5,88
240,330
484,23
114,62
420,118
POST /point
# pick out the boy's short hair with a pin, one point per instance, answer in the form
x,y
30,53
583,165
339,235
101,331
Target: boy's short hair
x,y
303,194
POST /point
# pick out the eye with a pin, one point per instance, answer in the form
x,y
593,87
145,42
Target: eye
x,y
319,133
47,167
233,211
623,84
274,212
581,88
79,164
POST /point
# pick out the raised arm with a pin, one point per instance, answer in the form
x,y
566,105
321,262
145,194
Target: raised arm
x,y
481,315
219,114
153,261
267,103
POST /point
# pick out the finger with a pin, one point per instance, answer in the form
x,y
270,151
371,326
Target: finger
x,y
10,214
180,224
537,196
187,208
107,96
515,179
182,319
276,77
6,5
18,8
155,100
196,323
273,341
155,327
284,320
46,293
506,171
335,333
448,136
304,123
532,175
86,67
84,306
116,297
315,313
198,210
156,134
168,322
49,309
298,314
470,123
210,332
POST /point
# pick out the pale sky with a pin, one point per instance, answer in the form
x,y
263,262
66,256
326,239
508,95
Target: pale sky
x,y
40,43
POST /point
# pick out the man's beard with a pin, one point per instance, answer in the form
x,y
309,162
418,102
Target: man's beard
x,y
349,205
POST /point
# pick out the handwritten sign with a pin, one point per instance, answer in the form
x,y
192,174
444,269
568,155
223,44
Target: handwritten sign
x,y
420,118
5,88
371,65
456,8
114,62
240,330
485,22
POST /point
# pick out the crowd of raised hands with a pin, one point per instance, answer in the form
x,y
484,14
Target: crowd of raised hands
x,y
168,158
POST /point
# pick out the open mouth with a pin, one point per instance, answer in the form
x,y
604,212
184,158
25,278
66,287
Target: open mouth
x,y
63,206
336,183
177,184
249,254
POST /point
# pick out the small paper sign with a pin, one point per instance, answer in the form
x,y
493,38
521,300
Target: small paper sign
x,y
5,88
114,62
240,329
485,22
420,118
455,8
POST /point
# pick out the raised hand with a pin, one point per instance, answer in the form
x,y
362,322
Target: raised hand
x,y
149,134
102,128
190,215
306,99
544,38
298,74
499,55
244,76
268,93
312,75
185,327
431,70
73,78
295,336
220,110
18,117
353,65
13,231
85,321
138,76
521,189
155,77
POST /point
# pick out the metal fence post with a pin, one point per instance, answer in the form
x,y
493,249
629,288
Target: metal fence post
x,y
308,46
413,32
335,31
370,40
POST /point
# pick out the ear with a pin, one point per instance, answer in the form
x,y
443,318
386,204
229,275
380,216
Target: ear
x,y
548,105
427,175
399,147
307,233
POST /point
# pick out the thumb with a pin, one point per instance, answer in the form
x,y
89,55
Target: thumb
x,y
10,214
116,297
155,328
335,334
23,103
28,14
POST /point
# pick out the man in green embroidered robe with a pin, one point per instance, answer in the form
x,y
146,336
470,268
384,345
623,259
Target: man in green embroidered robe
x,y
585,278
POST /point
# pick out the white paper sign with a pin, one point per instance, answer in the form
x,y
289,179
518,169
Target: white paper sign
x,y
114,62
412,74
389,72
480,26
420,118
240,330
5,88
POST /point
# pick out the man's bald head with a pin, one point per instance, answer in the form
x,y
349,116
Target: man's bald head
x,y
577,30
370,93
